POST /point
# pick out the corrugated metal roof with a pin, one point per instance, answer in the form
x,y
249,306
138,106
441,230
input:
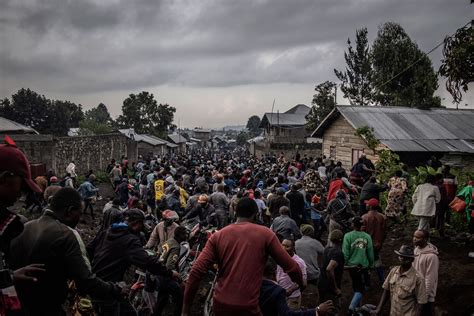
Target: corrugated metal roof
x,y
9,126
411,129
283,119
149,139
177,138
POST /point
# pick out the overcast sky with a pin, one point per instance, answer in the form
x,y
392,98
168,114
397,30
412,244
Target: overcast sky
x,y
217,62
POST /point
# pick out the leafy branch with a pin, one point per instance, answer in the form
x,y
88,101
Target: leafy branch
x,y
367,133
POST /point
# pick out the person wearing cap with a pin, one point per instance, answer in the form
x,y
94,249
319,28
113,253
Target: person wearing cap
x,y
204,211
359,257
332,269
311,251
404,287
370,190
15,178
374,224
51,189
170,257
52,240
235,248
277,201
163,231
121,248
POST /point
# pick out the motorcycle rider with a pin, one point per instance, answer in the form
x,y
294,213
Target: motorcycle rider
x,y
120,249
204,211
170,257
163,231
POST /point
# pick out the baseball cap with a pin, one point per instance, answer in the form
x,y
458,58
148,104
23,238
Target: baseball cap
x,y
372,202
14,160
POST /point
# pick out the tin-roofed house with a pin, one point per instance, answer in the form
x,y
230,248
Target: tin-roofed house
x,y
180,141
286,133
414,134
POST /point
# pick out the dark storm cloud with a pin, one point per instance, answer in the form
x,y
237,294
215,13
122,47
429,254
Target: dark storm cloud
x,y
92,46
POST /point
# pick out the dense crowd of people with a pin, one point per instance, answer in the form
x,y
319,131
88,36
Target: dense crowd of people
x,y
283,233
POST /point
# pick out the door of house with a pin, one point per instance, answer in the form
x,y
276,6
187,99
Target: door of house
x,y
356,154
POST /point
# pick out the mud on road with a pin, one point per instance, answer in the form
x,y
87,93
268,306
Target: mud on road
x,y
455,295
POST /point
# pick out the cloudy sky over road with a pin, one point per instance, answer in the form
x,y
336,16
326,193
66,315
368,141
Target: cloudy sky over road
x,y
217,62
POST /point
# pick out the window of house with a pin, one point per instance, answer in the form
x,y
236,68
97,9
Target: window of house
x,y
332,152
356,154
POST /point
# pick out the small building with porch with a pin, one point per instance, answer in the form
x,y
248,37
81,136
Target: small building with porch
x,y
414,134
285,133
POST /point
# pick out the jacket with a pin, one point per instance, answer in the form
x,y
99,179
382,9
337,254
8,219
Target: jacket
x,y
46,240
424,200
358,250
427,264
160,235
87,190
119,250
285,226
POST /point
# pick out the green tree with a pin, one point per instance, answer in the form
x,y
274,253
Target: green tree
x,y
62,115
97,121
27,107
142,112
46,116
323,103
252,125
457,64
242,138
403,74
357,77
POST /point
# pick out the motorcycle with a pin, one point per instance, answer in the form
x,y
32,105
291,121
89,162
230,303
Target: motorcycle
x,y
143,294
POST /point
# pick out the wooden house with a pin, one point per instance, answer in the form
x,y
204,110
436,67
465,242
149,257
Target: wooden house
x,y
414,134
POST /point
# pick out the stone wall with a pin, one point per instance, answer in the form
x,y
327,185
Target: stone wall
x,y
88,152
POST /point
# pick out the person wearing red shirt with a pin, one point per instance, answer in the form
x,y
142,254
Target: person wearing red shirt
x,y
240,251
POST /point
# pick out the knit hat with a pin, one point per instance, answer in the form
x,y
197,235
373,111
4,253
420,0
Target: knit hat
x,y
336,235
307,230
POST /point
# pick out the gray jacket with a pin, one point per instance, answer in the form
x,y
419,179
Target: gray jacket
x,y
285,226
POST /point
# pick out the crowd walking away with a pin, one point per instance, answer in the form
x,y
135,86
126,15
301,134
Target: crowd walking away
x,y
220,233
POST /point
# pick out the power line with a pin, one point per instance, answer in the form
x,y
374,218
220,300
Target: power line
x,y
419,59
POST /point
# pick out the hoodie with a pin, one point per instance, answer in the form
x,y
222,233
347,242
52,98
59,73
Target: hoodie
x,y
427,264
119,250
